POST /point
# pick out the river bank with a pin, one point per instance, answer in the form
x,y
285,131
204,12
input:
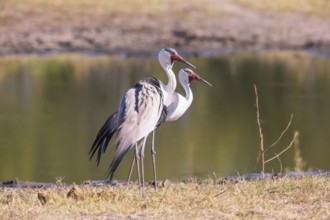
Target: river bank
x,y
305,197
200,29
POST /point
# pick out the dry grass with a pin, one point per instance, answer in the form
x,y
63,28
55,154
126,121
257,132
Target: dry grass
x,y
310,7
305,197
109,26
158,7
123,7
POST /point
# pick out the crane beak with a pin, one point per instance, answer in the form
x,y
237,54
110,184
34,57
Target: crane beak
x,y
194,76
177,57
200,79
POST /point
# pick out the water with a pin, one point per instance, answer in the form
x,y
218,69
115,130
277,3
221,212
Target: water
x,y
51,108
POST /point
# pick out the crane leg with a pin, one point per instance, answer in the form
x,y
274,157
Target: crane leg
x,y
143,144
137,161
153,154
131,170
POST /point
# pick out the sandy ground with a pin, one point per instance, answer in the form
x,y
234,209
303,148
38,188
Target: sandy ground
x,y
191,30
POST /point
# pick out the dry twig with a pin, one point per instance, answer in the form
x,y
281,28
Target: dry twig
x,y
262,150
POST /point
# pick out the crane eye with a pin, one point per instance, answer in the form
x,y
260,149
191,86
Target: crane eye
x,y
188,71
171,51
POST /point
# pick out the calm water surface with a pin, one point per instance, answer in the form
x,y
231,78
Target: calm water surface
x,y
51,108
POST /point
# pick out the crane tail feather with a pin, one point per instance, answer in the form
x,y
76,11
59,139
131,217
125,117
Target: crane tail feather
x,y
103,137
116,161
123,149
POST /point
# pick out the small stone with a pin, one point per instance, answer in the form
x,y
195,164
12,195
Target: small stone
x,y
105,194
75,193
166,183
87,182
44,197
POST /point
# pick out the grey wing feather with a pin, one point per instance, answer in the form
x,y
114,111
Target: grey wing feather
x,y
103,137
143,103
162,117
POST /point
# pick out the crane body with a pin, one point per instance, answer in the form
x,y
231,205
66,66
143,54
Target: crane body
x,y
140,110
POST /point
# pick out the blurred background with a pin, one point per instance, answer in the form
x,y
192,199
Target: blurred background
x,y
65,64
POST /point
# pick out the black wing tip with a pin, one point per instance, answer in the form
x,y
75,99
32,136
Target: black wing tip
x,y
162,117
116,161
103,137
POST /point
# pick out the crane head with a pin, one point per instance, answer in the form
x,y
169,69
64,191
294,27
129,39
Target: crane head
x,y
191,76
167,57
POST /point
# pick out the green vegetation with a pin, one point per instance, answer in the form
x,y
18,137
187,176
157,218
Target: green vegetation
x,y
282,198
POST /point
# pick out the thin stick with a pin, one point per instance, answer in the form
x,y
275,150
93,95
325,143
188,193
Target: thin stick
x,y
261,152
280,137
283,151
281,166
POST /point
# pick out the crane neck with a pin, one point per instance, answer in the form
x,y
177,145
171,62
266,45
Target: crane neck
x,y
171,85
189,95
169,88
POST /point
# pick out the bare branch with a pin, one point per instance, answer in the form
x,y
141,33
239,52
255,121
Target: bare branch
x,y
261,152
281,166
280,137
283,151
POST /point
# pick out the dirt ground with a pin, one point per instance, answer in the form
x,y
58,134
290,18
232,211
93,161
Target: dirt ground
x,y
304,197
228,27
